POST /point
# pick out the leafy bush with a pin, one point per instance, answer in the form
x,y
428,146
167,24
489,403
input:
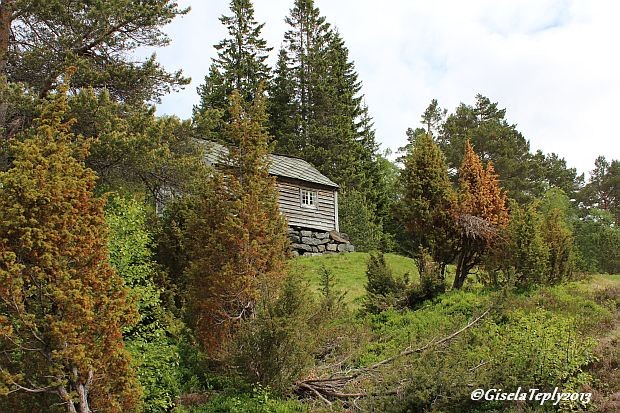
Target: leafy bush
x,y
357,219
597,239
151,342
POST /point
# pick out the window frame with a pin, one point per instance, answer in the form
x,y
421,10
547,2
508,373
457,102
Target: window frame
x,y
312,194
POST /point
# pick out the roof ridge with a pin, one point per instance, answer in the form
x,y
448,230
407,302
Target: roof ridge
x,y
285,168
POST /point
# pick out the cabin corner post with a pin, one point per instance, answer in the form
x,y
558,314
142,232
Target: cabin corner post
x,y
336,210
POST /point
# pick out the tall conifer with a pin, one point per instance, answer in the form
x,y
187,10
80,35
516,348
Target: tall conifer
x,y
316,107
238,243
62,307
480,212
240,62
425,209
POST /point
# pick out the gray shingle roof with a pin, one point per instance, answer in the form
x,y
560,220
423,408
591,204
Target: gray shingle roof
x,y
284,166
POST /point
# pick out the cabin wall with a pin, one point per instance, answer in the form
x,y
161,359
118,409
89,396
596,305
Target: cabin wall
x,y
321,218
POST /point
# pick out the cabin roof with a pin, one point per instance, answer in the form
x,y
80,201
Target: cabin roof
x,y
280,165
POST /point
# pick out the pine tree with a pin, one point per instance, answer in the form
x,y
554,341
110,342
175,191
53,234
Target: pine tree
x,y
240,63
425,209
62,307
134,150
45,37
480,213
603,188
433,118
237,237
494,139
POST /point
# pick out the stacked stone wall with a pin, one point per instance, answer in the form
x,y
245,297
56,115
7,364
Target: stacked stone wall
x,y
308,242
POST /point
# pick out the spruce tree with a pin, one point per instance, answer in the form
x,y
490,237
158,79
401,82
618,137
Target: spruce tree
x,y
284,115
62,307
304,49
316,106
237,242
240,63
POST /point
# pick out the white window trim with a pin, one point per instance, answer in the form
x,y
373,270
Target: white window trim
x,y
315,206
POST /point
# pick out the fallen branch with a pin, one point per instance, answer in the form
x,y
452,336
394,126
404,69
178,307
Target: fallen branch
x,y
332,387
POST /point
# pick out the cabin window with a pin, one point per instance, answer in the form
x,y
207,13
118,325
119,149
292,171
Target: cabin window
x,y
308,198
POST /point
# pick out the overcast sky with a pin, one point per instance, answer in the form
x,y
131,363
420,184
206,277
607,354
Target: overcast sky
x,y
553,64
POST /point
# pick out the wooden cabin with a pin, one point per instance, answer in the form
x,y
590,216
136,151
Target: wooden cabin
x,y
307,198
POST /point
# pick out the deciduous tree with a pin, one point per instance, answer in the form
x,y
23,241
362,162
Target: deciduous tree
x,y
151,341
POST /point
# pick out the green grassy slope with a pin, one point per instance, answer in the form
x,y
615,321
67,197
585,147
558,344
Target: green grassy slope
x,y
565,335
350,271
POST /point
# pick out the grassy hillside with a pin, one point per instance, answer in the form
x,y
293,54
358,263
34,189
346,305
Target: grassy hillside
x,y
350,271
565,335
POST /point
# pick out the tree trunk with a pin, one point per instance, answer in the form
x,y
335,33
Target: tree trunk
x,y
82,390
64,395
83,394
6,18
459,278
465,262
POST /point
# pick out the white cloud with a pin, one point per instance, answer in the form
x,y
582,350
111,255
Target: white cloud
x,y
552,63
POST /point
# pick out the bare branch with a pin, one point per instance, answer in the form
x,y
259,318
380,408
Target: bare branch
x,y
331,387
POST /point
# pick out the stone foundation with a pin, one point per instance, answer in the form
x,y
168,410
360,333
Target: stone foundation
x,y
308,242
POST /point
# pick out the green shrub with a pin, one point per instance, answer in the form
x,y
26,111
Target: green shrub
x,y
383,290
358,220
432,281
259,401
332,300
275,346
152,341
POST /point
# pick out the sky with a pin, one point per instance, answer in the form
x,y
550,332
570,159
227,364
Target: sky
x,y
553,64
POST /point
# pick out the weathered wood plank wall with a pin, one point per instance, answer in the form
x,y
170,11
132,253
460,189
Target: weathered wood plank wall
x,y
323,217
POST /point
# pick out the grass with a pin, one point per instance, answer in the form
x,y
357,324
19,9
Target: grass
x,y
611,277
523,334
350,271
